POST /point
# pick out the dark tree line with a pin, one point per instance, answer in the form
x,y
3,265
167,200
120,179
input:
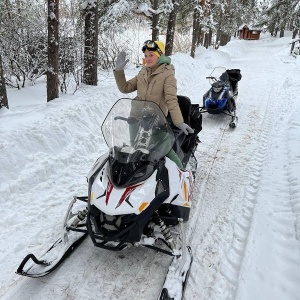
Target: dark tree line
x,y
71,40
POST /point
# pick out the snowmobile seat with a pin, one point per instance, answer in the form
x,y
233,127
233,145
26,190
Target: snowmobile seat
x,y
190,113
185,107
234,77
191,116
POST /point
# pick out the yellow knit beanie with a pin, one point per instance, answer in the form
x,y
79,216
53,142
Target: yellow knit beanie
x,y
161,47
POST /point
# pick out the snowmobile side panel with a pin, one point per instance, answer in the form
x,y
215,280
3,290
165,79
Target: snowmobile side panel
x,y
181,185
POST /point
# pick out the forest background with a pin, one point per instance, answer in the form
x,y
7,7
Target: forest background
x,y
69,41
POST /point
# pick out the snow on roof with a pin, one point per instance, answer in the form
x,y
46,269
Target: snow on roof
x,y
251,27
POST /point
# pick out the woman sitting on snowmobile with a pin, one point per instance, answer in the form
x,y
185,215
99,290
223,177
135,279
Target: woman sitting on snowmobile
x,y
155,82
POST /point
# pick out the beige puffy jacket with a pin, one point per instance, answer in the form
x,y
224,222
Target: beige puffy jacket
x,y
160,86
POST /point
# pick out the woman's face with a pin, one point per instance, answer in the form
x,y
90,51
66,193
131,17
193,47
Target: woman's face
x,y
150,58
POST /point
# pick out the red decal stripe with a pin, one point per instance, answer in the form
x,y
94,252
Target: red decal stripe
x,y
127,192
108,190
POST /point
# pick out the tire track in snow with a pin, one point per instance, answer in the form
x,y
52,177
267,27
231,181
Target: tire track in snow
x,y
230,266
279,218
293,145
211,235
216,214
278,211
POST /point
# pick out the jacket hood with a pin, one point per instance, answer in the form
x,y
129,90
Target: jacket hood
x,y
164,60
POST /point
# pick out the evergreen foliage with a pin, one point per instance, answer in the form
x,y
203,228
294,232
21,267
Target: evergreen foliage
x,y
185,23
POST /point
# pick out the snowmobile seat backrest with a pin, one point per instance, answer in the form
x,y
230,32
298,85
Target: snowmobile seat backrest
x,y
185,107
234,75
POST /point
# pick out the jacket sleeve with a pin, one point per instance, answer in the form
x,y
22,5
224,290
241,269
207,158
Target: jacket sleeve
x,y
170,94
123,85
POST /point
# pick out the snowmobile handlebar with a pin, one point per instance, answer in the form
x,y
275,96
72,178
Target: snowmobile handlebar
x,y
212,78
129,120
121,118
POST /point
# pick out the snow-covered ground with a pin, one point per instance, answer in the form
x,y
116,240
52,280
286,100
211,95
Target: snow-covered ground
x,y
244,228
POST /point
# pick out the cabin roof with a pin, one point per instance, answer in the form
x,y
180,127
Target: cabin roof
x,y
250,27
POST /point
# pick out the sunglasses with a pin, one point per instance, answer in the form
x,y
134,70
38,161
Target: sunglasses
x,y
151,46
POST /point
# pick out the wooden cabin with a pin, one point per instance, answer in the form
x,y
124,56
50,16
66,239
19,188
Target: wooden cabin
x,y
247,32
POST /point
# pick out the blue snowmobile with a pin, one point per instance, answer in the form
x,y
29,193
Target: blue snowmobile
x,y
221,97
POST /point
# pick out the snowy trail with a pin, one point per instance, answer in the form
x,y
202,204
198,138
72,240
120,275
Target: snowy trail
x,y
275,213
220,247
273,216
234,181
90,267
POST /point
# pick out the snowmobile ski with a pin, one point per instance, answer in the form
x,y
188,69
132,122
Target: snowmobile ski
x,y
177,276
54,256
72,236
178,272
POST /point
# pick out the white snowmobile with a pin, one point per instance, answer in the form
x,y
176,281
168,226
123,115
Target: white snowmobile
x,y
135,193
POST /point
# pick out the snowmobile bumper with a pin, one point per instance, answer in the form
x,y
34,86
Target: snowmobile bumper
x,y
214,111
128,232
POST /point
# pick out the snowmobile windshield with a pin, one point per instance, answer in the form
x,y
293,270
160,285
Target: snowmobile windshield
x,y
218,74
137,131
